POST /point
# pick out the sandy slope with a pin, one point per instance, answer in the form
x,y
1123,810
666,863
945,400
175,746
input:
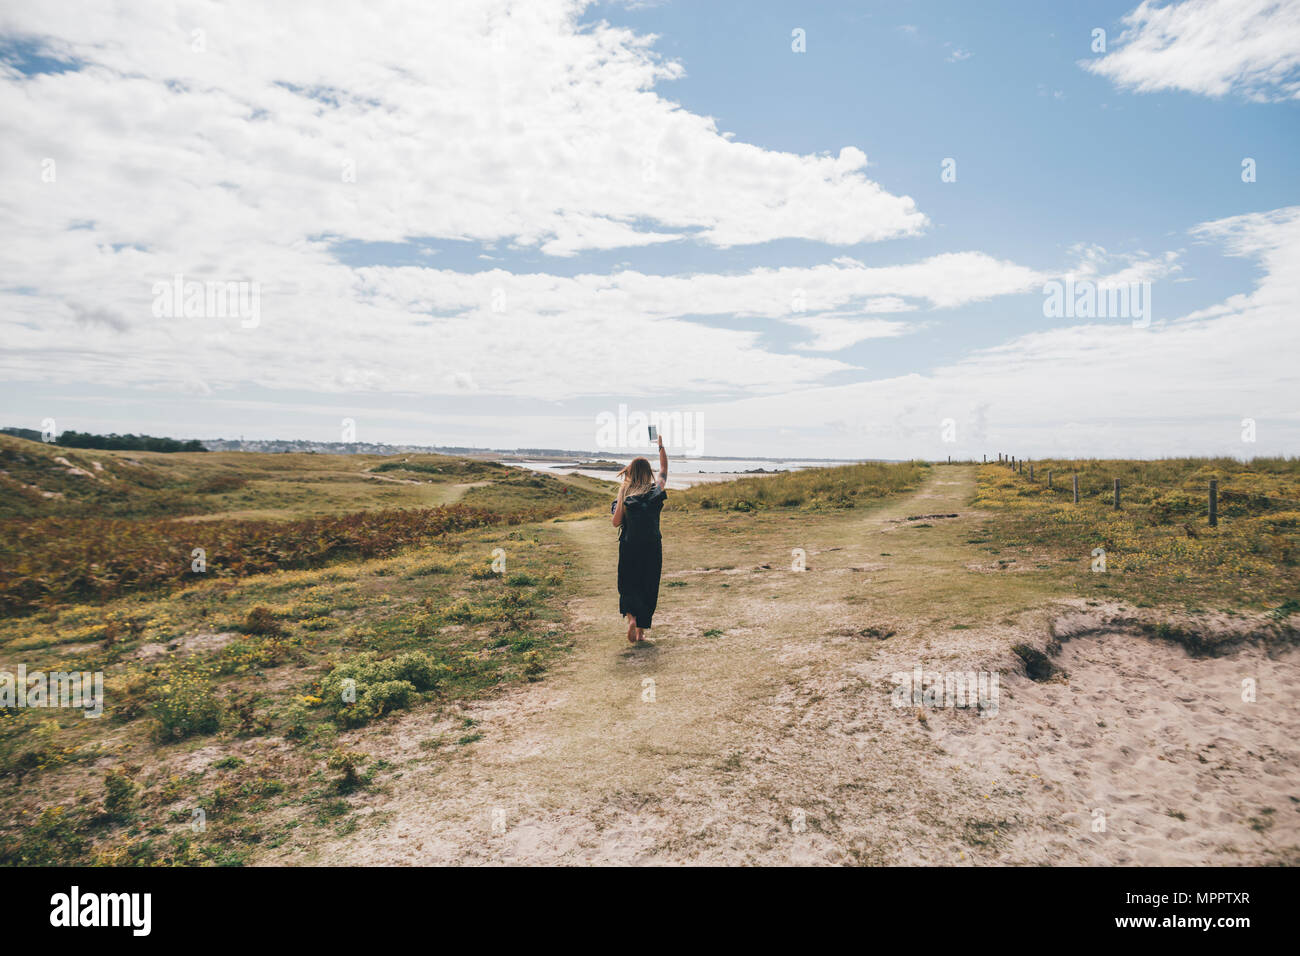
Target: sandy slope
x,y
1157,745
777,739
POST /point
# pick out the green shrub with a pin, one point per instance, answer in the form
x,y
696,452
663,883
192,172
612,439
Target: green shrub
x,y
386,696
419,669
533,666
380,686
346,762
185,706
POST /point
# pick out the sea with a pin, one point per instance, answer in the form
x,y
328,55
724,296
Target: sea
x,y
684,472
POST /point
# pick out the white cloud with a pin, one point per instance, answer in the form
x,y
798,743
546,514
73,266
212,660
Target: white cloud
x,y
1211,47
414,329
239,142
1179,387
498,120
1108,269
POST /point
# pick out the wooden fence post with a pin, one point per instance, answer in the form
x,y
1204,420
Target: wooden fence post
x,y
1214,502
1116,492
1049,478
1076,489
1031,472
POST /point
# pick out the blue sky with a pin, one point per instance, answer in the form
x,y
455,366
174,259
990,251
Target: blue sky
x,y
1036,174
500,150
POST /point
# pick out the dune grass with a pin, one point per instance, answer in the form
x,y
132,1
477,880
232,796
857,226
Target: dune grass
x,y
41,480
818,488
224,696
225,693
1159,546
231,686
112,527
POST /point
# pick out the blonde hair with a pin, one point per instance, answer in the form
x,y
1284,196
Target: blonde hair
x,y
640,477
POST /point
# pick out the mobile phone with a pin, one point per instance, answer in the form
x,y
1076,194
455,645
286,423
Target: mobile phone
x,y
654,434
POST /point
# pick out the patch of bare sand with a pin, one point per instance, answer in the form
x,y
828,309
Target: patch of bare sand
x,y
1145,755
187,646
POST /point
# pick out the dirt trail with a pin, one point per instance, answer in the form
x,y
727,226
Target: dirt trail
x,y
757,726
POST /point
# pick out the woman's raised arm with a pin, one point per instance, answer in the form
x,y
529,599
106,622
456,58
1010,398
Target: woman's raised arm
x,y
663,464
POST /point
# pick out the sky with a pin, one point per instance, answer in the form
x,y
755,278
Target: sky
x,y
842,230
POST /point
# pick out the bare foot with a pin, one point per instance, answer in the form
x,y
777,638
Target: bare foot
x,y
640,633
631,629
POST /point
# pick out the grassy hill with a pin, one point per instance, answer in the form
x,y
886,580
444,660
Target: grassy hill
x,y
92,525
38,479
420,578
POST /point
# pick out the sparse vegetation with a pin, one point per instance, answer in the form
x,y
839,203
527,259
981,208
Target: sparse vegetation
x,y
254,649
227,692
1158,544
815,489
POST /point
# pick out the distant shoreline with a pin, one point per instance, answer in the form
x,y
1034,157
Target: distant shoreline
x,y
682,472
505,455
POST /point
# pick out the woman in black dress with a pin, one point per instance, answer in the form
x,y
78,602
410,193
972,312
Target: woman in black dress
x,y
640,551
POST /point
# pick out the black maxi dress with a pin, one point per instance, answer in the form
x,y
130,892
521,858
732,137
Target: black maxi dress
x,y
640,554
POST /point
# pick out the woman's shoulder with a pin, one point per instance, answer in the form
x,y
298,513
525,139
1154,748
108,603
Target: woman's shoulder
x,y
645,497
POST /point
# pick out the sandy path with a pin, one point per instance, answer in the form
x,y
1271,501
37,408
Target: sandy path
x,y
774,739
